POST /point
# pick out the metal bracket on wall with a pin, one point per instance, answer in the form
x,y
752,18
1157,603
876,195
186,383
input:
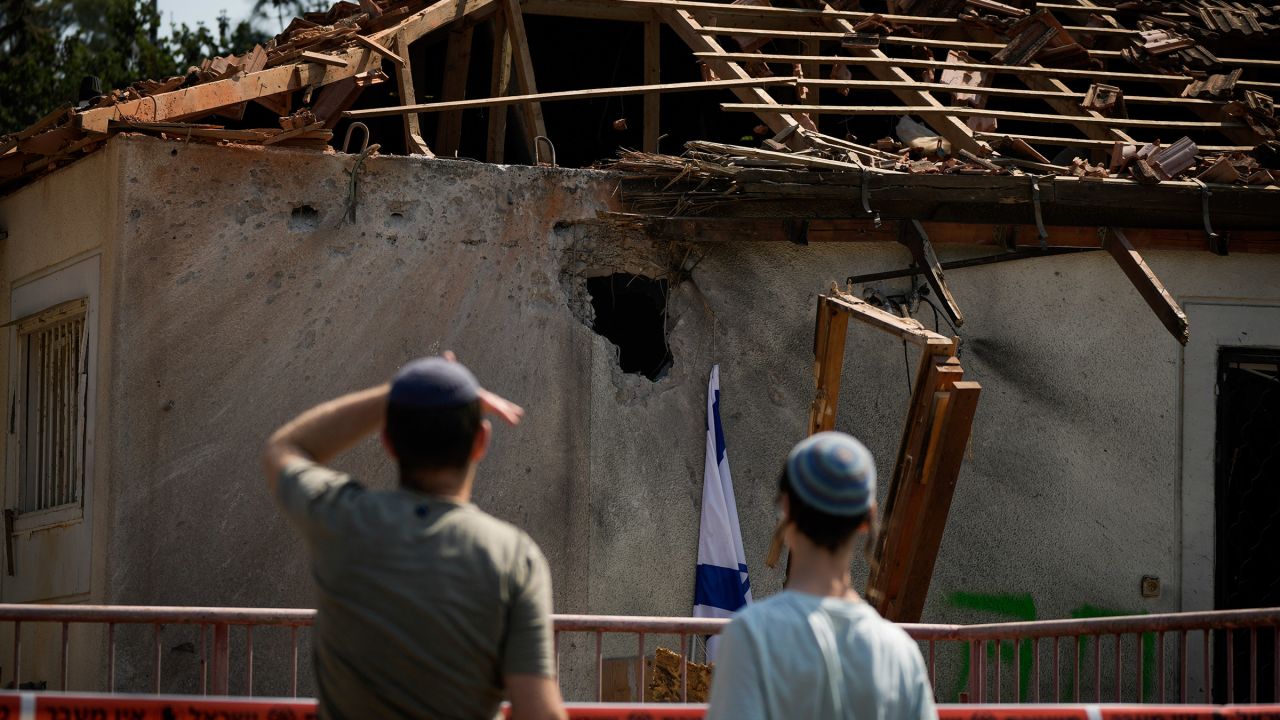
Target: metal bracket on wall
x,y
866,198
1035,201
1217,242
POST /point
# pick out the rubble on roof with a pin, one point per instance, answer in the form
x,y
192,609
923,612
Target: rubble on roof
x,y
1152,163
1020,43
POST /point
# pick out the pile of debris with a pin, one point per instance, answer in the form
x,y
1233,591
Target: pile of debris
x,y
67,133
1149,164
663,672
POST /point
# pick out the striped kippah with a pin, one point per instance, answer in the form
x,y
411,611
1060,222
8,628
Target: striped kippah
x,y
833,473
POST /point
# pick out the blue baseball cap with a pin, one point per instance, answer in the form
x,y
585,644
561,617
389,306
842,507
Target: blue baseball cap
x,y
833,473
433,382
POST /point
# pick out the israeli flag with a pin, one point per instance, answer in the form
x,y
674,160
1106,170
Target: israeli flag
x,y
722,586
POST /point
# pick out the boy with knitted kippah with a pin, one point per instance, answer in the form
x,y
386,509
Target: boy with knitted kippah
x,y
816,650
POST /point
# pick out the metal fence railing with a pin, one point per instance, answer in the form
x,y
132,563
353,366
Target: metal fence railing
x,y
1140,658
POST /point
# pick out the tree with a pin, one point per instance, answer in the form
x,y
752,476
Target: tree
x,y
283,10
48,46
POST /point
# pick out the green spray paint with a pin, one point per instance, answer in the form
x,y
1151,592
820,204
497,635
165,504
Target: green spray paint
x,y
1021,606
1014,607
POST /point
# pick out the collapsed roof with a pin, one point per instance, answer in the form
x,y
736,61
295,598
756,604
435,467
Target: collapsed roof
x,y
1136,92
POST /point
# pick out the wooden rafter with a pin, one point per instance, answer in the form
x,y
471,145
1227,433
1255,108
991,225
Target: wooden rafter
x,y
587,94
652,76
500,85
524,73
961,111
1093,124
413,142
454,87
690,30
984,67
948,126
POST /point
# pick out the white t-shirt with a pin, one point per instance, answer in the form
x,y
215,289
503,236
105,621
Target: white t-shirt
x,y
797,655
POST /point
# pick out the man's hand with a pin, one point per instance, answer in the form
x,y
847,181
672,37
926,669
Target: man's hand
x,y
492,403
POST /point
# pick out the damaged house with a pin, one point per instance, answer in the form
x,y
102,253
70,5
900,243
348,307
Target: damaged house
x,y
595,201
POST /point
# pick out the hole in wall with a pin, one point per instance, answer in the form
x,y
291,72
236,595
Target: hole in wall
x,y
630,311
304,218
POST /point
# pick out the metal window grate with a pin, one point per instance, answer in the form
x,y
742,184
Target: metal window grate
x,y
53,347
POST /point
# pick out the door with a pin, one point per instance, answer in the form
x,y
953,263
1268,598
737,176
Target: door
x,y
1248,513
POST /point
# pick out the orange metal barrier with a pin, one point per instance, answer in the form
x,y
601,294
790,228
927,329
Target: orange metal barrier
x,y
64,706
1045,654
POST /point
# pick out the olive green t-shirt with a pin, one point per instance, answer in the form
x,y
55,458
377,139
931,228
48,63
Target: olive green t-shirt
x,y
424,604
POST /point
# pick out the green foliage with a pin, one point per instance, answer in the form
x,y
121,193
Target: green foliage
x,y
48,46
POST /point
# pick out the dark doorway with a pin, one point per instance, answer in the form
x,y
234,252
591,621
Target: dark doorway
x,y
631,311
1248,516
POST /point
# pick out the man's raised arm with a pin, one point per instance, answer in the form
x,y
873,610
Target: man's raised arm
x,y
324,431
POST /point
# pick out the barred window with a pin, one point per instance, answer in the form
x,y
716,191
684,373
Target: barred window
x,y
52,372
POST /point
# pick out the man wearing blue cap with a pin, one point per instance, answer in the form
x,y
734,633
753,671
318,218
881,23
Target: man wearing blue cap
x,y
816,650
427,607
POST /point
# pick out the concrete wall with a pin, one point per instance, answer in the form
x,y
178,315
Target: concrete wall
x,y
237,312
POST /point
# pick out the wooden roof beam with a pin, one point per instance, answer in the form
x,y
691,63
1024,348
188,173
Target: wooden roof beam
x,y
991,67
690,30
199,100
964,111
436,16
585,94
1148,285
948,126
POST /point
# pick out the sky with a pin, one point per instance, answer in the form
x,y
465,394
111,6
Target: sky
x,y
193,11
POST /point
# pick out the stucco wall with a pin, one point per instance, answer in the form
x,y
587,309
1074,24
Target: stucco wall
x,y
52,224
236,315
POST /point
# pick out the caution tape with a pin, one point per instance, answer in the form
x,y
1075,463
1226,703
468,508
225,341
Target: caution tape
x,y
91,706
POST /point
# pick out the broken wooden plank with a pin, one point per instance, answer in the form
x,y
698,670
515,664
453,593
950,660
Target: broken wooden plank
x,y
900,509
413,142
454,87
937,483
588,94
51,119
908,329
280,104
287,134
652,76
336,98
381,50
831,330
199,100
323,58
1148,285
917,240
